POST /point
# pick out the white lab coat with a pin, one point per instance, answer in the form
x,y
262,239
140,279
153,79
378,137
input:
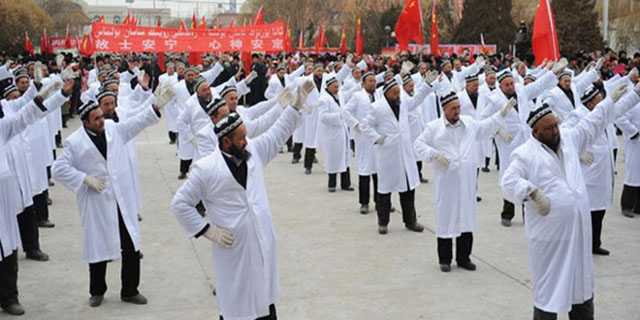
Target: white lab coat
x,y
246,274
171,113
355,112
455,211
395,159
560,243
274,87
99,211
632,148
191,120
467,108
560,103
333,135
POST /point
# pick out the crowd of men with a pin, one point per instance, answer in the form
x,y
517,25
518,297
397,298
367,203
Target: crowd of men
x,y
551,128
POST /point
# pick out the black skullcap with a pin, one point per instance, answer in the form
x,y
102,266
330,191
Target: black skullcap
x,y
449,97
84,109
227,124
388,85
213,106
537,114
588,95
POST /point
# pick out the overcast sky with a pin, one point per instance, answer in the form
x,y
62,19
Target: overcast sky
x,y
178,7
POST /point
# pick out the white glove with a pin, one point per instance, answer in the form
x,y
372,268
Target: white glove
x,y
544,63
37,72
407,66
49,89
587,158
285,97
357,128
96,184
219,235
633,72
164,96
479,61
559,66
430,76
599,64
140,77
508,106
442,160
619,92
59,59
380,140
542,202
505,135
252,75
194,143
349,60
303,92
637,88
68,73
8,63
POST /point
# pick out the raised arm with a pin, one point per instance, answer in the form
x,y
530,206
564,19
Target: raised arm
x,y
213,73
185,200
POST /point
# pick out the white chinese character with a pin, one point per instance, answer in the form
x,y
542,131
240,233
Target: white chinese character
x,y
277,44
214,45
125,45
171,43
236,44
148,44
102,44
256,44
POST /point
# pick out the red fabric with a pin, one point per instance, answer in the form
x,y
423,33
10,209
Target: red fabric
x,y
434,31
127,20
161,62
159,23
287,43
27,44
301,39
544,40
195,58
409,25
343,40
203,23
182,26
194,22
359,37
45,44
246,61
259,18
232,22
101,20
67,41
86,47
321,40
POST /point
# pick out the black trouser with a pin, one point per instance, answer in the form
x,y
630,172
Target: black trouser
x,y
272,314
297,149
364,188
419,163
290,144
184,165
40,206
508,210
345,179
352,145
407,200
29,229
486,162
309,154
9,279
464,243
130,272
583,311
173,136
596,227
630,199
497,155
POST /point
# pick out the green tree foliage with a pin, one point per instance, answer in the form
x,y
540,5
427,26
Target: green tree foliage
x,y
492,18
65,12
18,17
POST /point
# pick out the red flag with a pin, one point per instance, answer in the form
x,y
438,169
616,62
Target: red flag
x,y
194,22
161,63
182,26
287,45
45,46
203,23
27,44
233,20
127,20
134,21
409,25
101,19
343,40
321,39
218,23
159,23
277,17
247,61
301,40
86,48
359,37
67,40
195,58
434,31
544,40
259,18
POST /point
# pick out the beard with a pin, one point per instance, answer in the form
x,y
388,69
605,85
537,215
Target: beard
x,y
239,153
204,101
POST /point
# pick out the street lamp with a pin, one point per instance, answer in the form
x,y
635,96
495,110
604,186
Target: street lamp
x,y
387,31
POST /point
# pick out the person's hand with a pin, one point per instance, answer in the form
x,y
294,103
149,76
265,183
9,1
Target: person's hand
x,y
349,60
430,76
164,95
67,88
508,106
442,160
542,202
49,89
559,66
357,128
599,64
194,143
143,80
620,91
59,60
219,235
587,158
252,76
544,63
68,73
37,72
407,66
479,61
301,96
637,88
285,97
633,72
380,140
95,184
8,63
505,135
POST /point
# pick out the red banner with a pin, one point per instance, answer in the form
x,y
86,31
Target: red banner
x,y
121,38
57,43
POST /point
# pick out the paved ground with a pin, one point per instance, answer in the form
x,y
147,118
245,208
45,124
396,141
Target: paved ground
x,y
332,262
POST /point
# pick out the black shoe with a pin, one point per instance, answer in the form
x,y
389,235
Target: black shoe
x,y
601,252
506,222
307,171
445,267
137,299
349,188
467,266
424,180
382,229
14,309
415,227
139,217
364,209
37,255
332,189
172,142
95,301
478,198
49,201
51,183
315,160
627,213
182,176
485,169
46,224
294,161
392,209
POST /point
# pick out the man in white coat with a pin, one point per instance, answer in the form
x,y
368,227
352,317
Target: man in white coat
x,y
94,165
230,183
565,97
170,78
452,142
552,187
333,135
387,125
516,131
13,123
